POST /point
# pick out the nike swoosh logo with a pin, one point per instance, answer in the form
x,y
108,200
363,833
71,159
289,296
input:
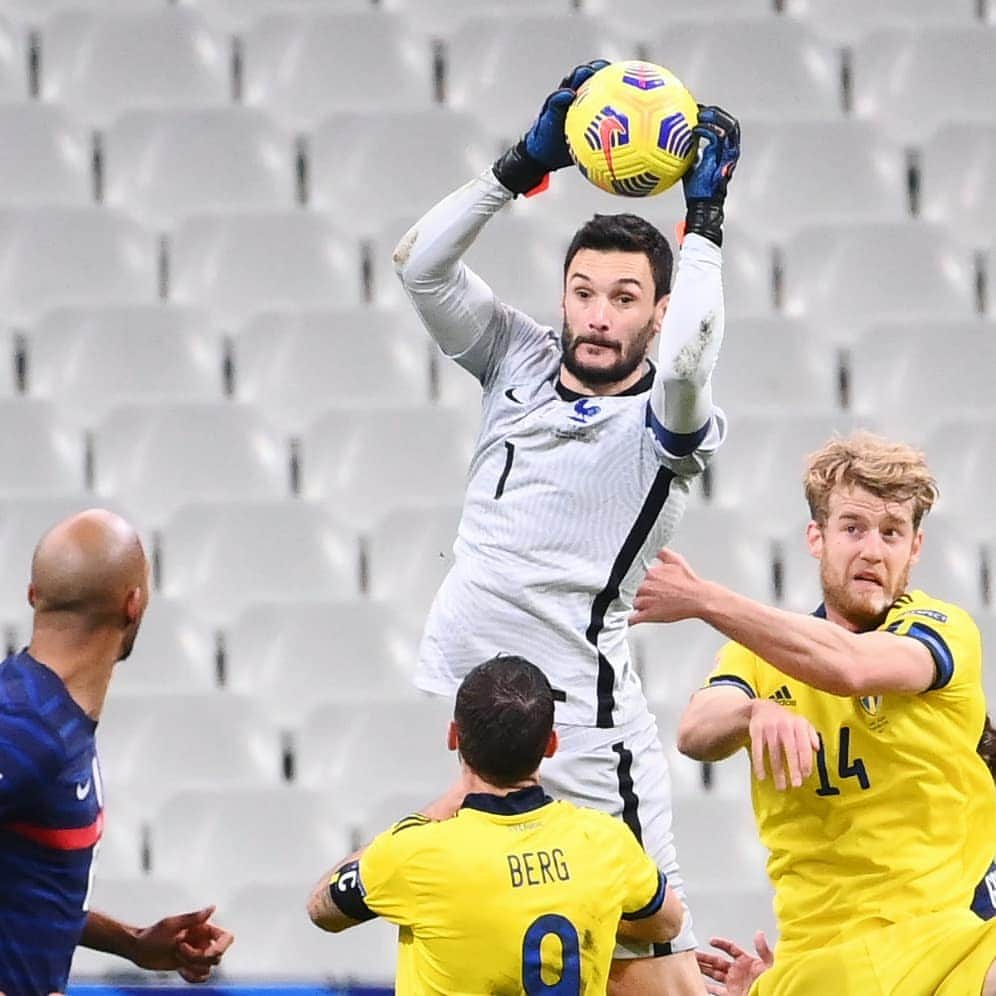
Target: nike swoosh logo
x,y
512,397
82,791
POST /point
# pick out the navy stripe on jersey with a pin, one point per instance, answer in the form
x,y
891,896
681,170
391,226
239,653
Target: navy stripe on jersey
x,y
630,800
676,443
649,513
984,903
939,650
654,905
734,681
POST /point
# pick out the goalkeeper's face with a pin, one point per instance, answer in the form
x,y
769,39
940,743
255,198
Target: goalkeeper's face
x,y
610,317
866,550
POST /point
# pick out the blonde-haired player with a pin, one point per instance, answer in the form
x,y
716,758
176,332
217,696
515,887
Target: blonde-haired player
x,y
879,814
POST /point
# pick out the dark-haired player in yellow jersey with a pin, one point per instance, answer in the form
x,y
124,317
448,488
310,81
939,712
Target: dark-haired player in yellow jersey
x,y
879,814
498,889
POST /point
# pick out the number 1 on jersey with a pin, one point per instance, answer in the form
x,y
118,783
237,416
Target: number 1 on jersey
x,y
569,983
846,768
509,457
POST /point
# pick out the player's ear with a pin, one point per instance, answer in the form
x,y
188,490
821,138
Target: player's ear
x,y
814,539
452,737
917,545
660,310
134,604
552,744
32,598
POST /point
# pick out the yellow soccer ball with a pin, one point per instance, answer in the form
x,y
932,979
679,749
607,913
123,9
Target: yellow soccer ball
x,y
629,129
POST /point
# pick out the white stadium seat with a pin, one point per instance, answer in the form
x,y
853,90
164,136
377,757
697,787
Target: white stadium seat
x,y
73,255
773,365
8,363
145,456
224,556
237,15
958,181
759,469
346,748
99,64
733,911
442,18
912,376
409,552
13,61
523,59
294,364
40,453
801,76
174,650
45,157
164,165
960,453
277,940
89,360
912,81
223,837
303,65
34,13
24,520
639,18
364,463
319,652
189,740
138,901
847,21
805,172
238,264
392,160
721,544
843,279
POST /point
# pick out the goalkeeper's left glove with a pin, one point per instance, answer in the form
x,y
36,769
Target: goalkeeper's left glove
x,y
543,148
718,137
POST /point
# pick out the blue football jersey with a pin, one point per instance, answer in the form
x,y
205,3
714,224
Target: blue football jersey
x,y
51,815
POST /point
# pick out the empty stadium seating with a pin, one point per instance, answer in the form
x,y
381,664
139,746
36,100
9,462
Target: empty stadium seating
x,y
41,453
223,556
960,452
294,365
99,63
145,457
163,165
848,21
89,360
47,157
13,61
958,189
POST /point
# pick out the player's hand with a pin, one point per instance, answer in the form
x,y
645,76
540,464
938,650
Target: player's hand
x,y
670,591
788,740
718,137
188,943
543,148
734,974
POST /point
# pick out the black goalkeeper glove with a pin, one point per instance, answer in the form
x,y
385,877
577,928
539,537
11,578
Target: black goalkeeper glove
x,y
718,135
544,148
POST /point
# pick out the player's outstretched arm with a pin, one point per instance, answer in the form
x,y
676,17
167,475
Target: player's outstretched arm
x,y
692,330
818,652
187,943
661,927
454,303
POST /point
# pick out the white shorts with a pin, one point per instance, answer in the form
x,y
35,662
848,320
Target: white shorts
x,y
622,771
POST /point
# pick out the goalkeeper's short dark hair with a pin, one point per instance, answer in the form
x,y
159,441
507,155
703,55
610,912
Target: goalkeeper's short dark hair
x,y
626,233
504,717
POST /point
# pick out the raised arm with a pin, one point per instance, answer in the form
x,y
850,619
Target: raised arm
x,y
454,303
692,331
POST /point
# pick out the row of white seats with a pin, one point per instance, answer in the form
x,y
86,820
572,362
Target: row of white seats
x,y
162,166
294,366
840,278
304,64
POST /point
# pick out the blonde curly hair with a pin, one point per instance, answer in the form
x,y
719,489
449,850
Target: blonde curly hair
x,y
894,471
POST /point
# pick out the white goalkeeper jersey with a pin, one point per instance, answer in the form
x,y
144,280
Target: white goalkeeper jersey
x,y
569,499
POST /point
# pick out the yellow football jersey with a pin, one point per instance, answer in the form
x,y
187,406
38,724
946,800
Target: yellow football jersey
x,y
898,818
515,894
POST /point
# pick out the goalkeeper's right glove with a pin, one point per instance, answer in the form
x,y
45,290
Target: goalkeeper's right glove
x,y
718,136
544,147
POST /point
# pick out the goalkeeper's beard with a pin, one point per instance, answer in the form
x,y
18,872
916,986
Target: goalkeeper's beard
x,y
628,361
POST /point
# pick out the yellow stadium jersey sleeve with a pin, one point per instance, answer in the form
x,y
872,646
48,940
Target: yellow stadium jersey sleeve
x,y
387,889
947,631
735,667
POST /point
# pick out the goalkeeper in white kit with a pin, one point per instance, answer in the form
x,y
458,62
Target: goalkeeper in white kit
x,y
587,449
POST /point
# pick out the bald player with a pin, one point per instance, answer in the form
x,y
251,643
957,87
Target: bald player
x,y
89,589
